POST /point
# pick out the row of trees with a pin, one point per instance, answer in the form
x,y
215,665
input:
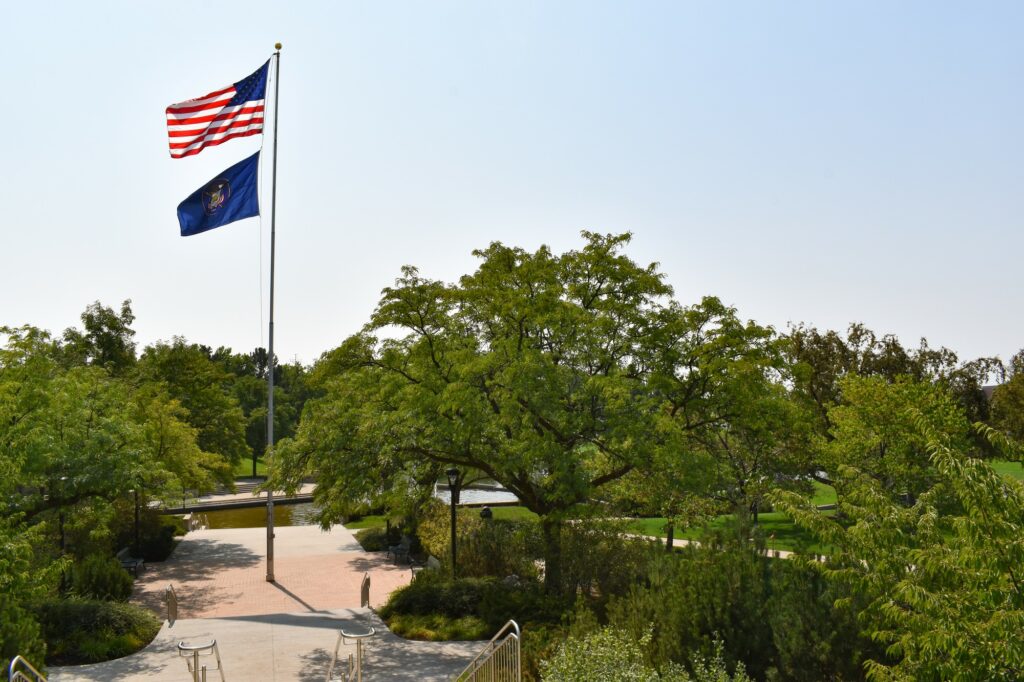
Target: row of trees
x,y
87,422
576,379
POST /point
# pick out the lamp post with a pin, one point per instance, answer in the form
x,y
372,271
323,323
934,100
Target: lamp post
x,y
135,549
453,494
60,521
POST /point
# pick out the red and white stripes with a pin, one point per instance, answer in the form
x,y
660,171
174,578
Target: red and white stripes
x,y
210,120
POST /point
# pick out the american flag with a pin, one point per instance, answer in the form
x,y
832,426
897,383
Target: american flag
x,y
234,111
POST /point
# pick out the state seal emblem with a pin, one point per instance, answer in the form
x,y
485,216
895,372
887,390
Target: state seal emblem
x,y
215,195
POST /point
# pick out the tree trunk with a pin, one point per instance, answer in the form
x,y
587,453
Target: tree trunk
x,y
669,537
552,555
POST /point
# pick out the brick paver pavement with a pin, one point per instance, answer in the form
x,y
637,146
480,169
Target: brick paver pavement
x,y
222,572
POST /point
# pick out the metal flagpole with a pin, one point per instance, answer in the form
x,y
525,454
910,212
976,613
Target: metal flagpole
x,y
270,339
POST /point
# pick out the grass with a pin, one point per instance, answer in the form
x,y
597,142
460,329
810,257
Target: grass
x,y
516,513
373,539
244,468
437,627
368,521
823,494
1009,469
788,536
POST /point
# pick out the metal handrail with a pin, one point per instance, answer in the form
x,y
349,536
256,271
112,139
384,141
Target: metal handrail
x,y
15,675
355,665
191,654
364,591
171,597
198,521
509,660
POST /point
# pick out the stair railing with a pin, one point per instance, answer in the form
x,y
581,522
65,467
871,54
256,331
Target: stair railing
x,y
191,654
355,661
499,661
22,671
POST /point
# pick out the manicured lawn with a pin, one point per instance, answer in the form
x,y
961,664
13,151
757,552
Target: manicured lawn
x,y
244,468
823,494
788,535
1012,469
516,513
370,521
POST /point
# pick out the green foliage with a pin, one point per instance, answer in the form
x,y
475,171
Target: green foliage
x,y
491,547
939,578
374,539
191,377
106,340
492,601
874,431
101,577
616,656
1008,401
607,654
531,364
156,535
438,627
83,631
19,634
599,560
767,613
820,360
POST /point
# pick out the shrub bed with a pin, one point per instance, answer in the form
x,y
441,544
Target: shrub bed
x,y
88,631
372,539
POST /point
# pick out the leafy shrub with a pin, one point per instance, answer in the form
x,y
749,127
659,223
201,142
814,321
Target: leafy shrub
x,y
156,535
539,643
607,654
488,602
19,634
87,631
615,656
101,577
598,560
770,614
431,592
373,539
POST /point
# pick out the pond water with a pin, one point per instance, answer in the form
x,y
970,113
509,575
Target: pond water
x,y
302,514
256,517
477,496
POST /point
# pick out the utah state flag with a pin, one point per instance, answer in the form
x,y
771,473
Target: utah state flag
x,y
232,195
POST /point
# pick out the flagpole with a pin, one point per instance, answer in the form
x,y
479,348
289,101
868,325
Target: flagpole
x,y
270,339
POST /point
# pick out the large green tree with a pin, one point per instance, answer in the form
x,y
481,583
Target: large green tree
x,y
532,370
189,375
105,340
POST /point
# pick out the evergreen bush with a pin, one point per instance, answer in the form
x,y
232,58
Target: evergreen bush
x,y
101,577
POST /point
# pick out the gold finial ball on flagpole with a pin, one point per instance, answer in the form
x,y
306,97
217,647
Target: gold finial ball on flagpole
x,y
277,46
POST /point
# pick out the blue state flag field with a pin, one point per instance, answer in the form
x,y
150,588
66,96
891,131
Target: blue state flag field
x,y
232,195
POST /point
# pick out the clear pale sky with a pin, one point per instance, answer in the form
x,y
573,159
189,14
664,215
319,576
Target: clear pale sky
x,y
804,161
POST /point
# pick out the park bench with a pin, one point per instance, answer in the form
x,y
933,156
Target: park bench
x,y
400,552
430,564
130,563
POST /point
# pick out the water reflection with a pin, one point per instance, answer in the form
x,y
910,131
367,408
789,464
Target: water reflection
x,y
256,517
473,496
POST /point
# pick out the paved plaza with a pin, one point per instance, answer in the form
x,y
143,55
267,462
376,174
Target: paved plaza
x,y
271,632
222,572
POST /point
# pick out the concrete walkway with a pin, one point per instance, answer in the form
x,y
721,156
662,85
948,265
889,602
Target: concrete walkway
x,y
271,648
278,631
